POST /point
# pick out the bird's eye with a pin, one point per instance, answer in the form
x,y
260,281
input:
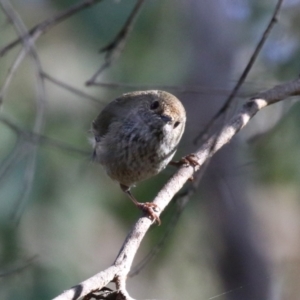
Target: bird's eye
x,y
154,105
176,124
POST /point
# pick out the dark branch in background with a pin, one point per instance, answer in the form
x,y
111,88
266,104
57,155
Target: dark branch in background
x,y
121,267
115,48
193,89
72,89
41,28
11,72
26,142
36,139
29,47
16,154
27,38
19,268
229,101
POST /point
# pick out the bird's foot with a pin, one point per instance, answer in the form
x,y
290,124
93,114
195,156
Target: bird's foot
x,y
187,161
150,209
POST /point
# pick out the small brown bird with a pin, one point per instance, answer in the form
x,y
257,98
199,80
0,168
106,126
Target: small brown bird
x,y
136,136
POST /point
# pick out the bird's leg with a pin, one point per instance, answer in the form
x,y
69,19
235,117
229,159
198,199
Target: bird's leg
x,y
147,207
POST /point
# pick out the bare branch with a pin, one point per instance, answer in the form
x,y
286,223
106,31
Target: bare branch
x,y
37,139
226,106
115,48
29,47
35,32
26,144
19,268
16,154
188,89
181,200
180,204
71,89
11,72
123,262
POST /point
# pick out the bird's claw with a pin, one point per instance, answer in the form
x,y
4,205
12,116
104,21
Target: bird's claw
x,y
150,209
189,160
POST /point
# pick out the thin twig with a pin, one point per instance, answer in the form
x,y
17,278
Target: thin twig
x,y
21,149
20,268
115,48
193,89
16,154
123,262
29,46
11,72
226,106
37,139
26,187
35,32
72,89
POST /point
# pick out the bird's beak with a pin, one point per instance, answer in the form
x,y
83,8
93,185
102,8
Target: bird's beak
x,y
166,119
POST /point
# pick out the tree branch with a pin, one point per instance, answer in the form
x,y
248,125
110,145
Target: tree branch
x,y
120,268
228,103
28,46
115,48
71,89
41,28
36,139
182,89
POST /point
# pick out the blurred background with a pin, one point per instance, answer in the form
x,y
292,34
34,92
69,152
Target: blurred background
x,y
62,219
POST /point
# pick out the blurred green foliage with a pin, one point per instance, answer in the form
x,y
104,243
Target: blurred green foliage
x,y
278,151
